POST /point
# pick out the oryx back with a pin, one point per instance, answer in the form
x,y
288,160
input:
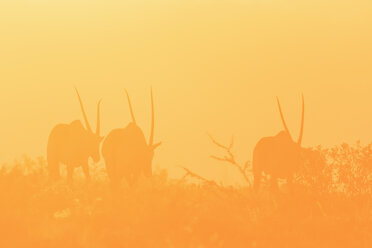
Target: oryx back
x,y
67,144
125,152
276,155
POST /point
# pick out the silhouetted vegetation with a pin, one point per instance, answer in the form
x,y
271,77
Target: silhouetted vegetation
x,y
330,205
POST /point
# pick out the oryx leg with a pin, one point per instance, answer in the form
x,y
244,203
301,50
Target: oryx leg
x,y
257,175
86,171
129,177
53,169
274,183
290,183
113,175
70,172
136,176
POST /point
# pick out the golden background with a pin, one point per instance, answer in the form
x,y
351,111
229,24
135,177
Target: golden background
x,y
215,66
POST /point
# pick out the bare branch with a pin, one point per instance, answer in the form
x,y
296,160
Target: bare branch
x,y
231,142
246,165
225,159
230,158
216,143
194,175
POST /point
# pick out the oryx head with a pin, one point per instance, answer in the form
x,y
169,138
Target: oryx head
x,y
145,159
299,141
290,148
93,140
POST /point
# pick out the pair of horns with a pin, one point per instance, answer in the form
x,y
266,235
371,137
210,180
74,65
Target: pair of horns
x,y
98,129
151,140
299,141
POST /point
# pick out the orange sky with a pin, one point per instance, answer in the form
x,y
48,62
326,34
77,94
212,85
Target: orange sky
x,y
215,66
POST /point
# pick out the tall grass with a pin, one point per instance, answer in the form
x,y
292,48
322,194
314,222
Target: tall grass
x,y
331,206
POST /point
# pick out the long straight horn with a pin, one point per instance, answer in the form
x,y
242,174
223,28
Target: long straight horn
x,y
130,108
98,129
151,140
302,121
282,117
83,111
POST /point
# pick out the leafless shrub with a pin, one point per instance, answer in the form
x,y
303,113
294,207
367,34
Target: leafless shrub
x,y
244,170
189,173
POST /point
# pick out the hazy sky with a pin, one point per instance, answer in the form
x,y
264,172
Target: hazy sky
x,y
215,66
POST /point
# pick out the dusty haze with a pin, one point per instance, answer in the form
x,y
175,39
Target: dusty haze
x,y
215,66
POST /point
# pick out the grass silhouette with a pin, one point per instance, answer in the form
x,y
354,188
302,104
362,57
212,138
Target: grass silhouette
x,y
330,206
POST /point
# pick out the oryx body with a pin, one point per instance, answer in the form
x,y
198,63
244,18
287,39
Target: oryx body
x,y
73,145
278,156
126,152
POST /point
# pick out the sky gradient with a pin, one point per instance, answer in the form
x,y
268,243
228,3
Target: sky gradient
x,y
215,66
